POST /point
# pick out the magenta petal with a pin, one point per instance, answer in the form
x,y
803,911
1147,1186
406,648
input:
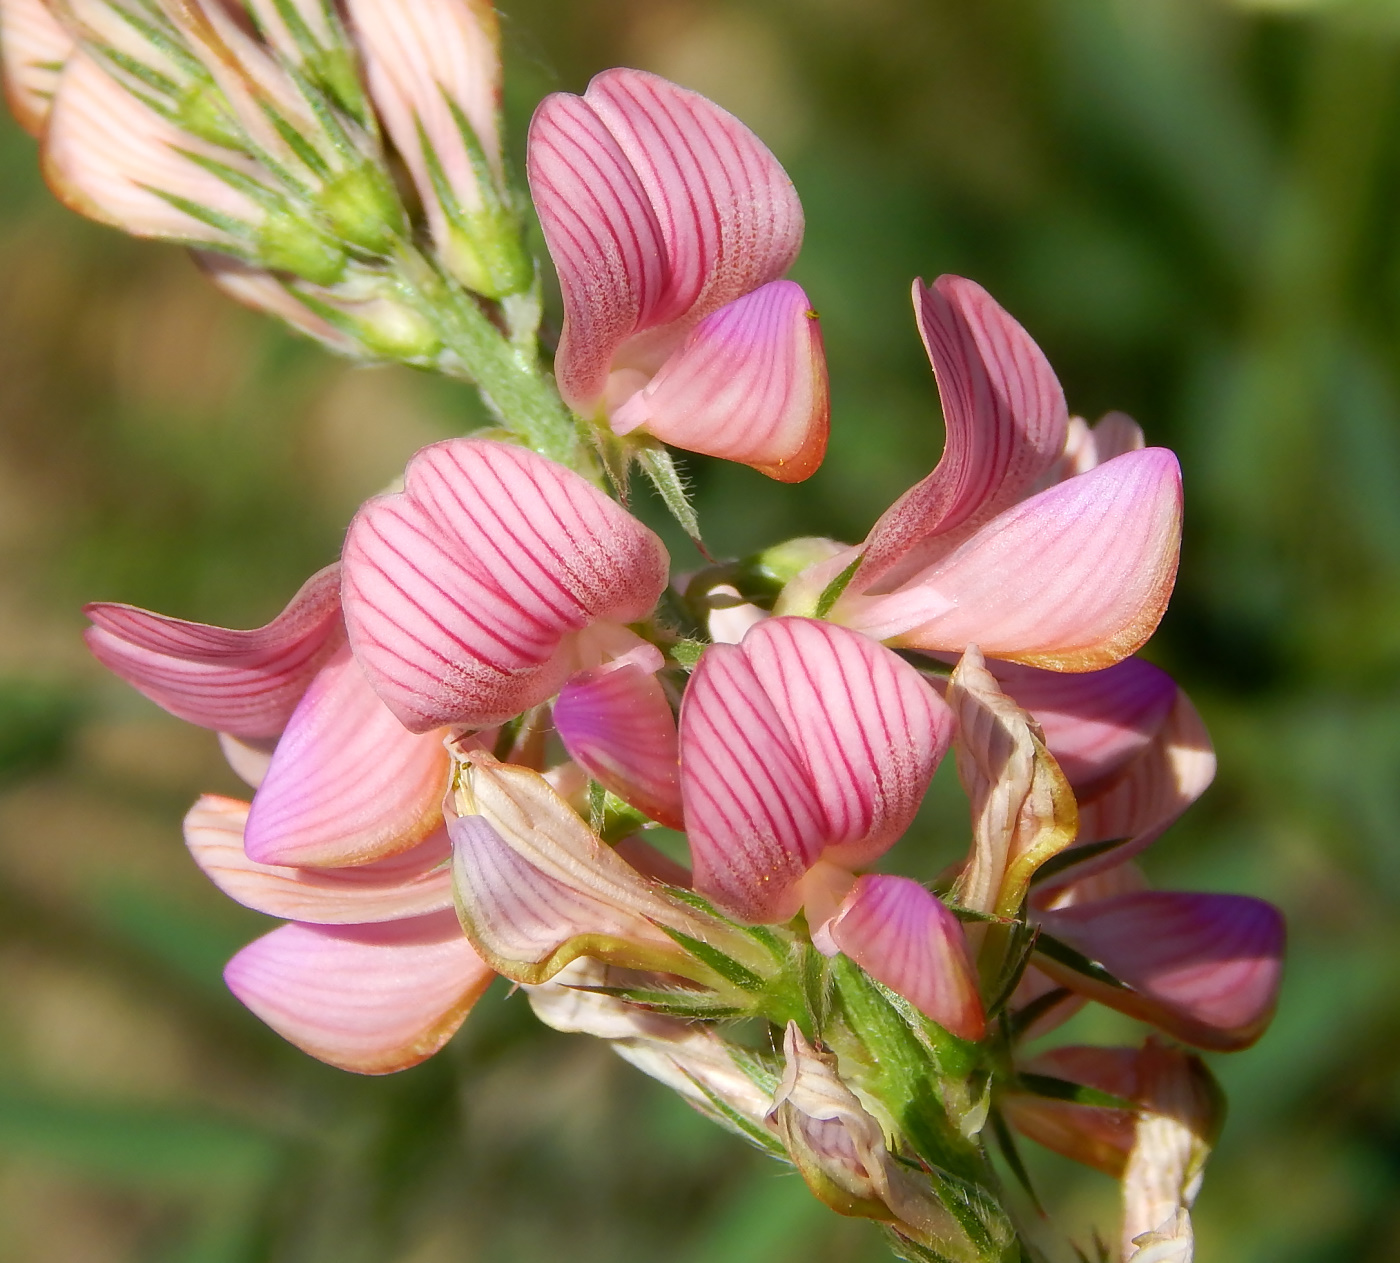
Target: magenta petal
x,y
368,998
460,590
905,937
1004,414
347,783
1204,967
748,384
1096,722
804,738
407,885
1074,579
616,722
658,208
246,683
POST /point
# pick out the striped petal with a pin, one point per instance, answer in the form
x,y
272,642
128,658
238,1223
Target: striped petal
x,y
1204,967
34,47
1148,795
802,740
347,783
536,889
412,884
616,722
658,208
368,998
1087,447
1074,579
1004,416
264,291
110,157
460,591
246,683
905,937
748,384
1094,723
1023,810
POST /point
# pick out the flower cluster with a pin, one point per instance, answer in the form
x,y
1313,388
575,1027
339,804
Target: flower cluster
x,y
464,736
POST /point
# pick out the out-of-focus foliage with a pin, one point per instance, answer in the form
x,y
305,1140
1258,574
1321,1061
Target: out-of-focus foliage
x,y
1194,206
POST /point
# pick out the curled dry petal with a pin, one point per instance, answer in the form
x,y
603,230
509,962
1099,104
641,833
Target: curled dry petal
x,y
536,890
905,937
347,783
1074,578
368,998
1023,811
461,590
840,1150
1174,770
408,885
246,683
1004,415
114,159
803,740
34,47
616,721
748,384
658,208
1204,967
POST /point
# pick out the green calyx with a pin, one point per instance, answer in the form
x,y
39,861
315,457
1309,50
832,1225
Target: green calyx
x,y
203,112
484,251
362,209
288,243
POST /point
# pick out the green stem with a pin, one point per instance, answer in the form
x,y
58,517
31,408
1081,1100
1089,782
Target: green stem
x,y
521,396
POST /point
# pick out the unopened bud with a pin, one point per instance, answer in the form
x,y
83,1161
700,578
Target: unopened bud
x,y
361,207
484,251
288,243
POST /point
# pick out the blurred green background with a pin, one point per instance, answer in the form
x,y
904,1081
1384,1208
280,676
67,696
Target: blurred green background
x,y
1192,206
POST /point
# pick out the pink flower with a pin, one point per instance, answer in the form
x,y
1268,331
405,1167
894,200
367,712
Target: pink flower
x,y
495,575
1073,577
372,973
805,751
670,225
34,47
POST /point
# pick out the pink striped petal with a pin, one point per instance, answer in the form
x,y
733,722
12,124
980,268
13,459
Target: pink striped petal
x,y
616,722
1004,415
1074,579
905,937
264,291
34,46
1087,448
748,384
658,208
1023,810
368,998
1148,795
536,889
803,739
1204,967
246,683
1094,723
348,783
109,156
460,591
411,884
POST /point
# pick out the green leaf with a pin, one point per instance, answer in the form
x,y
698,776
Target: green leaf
x,y
1006,1142
1056,1089
697,1005
1073,855
1064,954
724,965
832,592
659,466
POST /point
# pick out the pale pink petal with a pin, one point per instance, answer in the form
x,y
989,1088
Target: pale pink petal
x,y
536,889
748,384
110,157
423,61
248,759
603,236
246,683
905,937
1074,579
261,290
34,47
1149,794
460,590
368,998
348,783
1004,416
1204,967
616,721
805,738
410,884
1086,448
1097,722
